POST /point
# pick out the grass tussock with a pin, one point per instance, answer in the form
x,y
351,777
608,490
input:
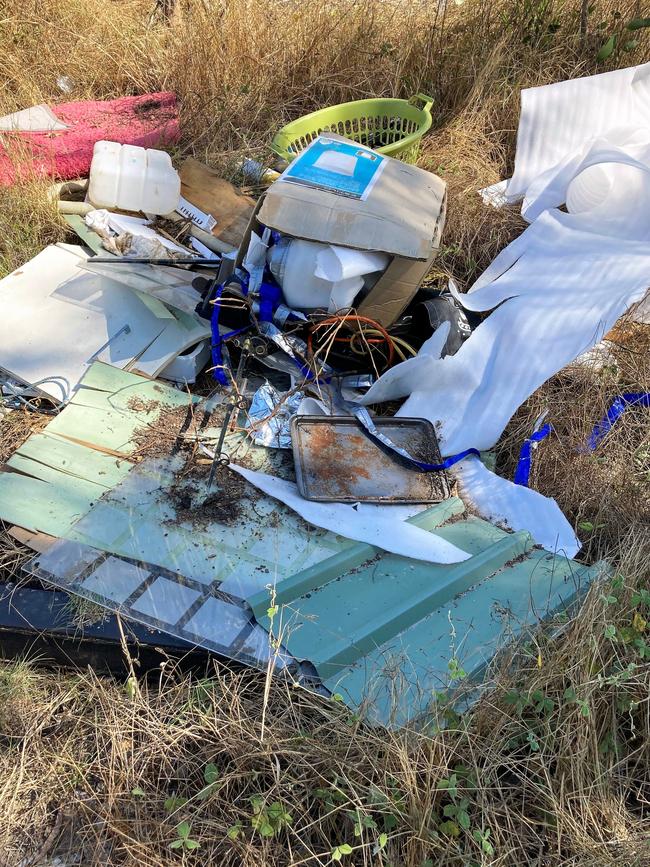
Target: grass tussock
x,y
551,767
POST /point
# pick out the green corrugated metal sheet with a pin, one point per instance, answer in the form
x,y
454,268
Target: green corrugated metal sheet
x,y
381,630
378,628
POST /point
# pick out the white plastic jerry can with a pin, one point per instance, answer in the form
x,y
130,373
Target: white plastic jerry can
x,y
132,178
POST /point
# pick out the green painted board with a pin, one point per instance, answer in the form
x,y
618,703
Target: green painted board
x,y
42,506
59,454
91,239
380,629
100,411
115,505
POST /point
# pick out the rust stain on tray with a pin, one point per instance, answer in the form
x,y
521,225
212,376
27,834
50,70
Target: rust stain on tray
x,y
335,461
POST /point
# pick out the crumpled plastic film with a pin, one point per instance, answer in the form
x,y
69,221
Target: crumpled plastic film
x,y
269,416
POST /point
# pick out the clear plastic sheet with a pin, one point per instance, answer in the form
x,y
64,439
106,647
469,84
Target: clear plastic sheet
x,y
193,611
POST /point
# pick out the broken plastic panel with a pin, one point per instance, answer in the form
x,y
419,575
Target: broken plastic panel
x,y
161,599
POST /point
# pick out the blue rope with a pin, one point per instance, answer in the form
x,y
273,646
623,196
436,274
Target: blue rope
x,y
522,473
616,409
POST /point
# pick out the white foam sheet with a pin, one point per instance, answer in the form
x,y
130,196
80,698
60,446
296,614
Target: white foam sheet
x,y
379,526
558,119
341,263
515,507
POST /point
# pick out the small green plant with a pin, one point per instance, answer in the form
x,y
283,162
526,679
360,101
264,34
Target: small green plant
x,y
458,813
235,830
571,697
533,743
609,599
641,597
183,839
211,779
339,851
449,784
588,527
331,797
620,39
268,821
173,803
361,822
131,687
456,672
482,837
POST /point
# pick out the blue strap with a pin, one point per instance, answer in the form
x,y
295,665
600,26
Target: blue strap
x,y
522,473
388,446
616,409
270,297
217,338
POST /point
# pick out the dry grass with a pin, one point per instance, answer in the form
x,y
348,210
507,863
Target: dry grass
x,y
554,760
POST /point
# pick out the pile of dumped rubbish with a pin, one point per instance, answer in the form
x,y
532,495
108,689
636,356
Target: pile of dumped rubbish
x,y
270,430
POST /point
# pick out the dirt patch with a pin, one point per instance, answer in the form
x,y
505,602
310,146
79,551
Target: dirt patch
x,y
194,504
147,107
139,404
175,430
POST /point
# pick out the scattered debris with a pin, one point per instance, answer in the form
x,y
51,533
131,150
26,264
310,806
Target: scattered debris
x,y
76,317
178,510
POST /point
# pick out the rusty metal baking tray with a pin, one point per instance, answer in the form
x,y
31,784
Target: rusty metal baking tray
x,y
337,462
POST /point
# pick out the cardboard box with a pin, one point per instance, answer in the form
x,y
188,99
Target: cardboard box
x,y
403,215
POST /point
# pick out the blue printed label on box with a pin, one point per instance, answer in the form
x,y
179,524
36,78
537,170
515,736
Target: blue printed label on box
x,y
341,167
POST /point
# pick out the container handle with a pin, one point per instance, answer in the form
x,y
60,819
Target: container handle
x,y
423,97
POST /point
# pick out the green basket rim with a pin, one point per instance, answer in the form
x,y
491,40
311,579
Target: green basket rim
x,y
375,99
398,146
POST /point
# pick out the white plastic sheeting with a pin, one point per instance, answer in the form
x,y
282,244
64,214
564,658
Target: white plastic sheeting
x,y
558,120
380,526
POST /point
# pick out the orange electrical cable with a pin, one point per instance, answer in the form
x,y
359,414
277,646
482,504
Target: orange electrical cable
x,y
344,319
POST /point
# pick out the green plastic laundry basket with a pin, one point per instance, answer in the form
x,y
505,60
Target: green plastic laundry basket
x,y
391,126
